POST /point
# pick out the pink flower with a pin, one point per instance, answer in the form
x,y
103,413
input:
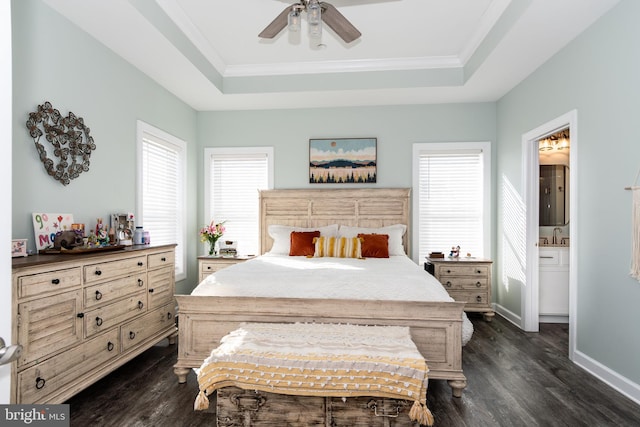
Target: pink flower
x,y
212,232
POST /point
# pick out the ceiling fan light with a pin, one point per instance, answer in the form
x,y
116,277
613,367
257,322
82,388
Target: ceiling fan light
x,y
314,13
315,31
294,20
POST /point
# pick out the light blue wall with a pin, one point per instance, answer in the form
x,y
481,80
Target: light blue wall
x,y
598,75
396,128
55,61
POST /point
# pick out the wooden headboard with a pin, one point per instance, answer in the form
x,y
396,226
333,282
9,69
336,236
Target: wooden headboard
x,y
362,207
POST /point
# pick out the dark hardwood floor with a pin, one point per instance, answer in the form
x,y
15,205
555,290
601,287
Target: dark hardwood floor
x,y
515,379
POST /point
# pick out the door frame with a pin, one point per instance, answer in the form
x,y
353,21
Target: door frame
x,y
531,171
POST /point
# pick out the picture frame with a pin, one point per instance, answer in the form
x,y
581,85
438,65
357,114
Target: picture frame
x,y
46,225
343,160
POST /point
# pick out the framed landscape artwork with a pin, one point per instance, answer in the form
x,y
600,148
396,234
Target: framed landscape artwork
x,y
342,161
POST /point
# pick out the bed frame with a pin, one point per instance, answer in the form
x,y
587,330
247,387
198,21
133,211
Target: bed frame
x,y
436,327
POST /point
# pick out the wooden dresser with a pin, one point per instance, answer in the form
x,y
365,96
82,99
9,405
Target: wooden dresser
x,y
78,317
210,264
468,280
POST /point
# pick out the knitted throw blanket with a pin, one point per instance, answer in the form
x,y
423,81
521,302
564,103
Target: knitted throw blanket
x,y
308,359
635,236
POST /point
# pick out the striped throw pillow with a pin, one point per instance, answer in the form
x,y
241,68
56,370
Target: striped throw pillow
x,y
338,247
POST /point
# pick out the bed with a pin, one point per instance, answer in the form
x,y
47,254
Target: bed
x,y
436,326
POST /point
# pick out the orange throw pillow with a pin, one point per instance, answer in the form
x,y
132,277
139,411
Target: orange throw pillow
x,y
375,245
302,243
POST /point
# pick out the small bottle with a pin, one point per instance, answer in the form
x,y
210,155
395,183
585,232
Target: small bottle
x,y
146,238
138,236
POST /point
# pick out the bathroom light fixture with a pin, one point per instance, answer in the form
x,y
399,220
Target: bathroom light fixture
x,y
558,141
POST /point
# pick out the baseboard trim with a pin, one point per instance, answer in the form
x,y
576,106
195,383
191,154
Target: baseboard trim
x,y
593,367
508,315
548,318
609,376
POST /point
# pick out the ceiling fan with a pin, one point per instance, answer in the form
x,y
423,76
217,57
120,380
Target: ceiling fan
x,y
316,10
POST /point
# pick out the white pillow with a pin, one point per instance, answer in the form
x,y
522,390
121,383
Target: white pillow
x,y
395,233
281,235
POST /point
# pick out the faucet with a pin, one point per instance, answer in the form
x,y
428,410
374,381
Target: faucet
x,y
554,241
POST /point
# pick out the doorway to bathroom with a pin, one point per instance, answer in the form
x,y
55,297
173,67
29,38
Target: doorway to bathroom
x,y
550,218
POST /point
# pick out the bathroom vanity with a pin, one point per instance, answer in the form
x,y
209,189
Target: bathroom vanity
x,y
554,284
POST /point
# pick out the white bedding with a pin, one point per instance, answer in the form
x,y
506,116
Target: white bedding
x,y
396,278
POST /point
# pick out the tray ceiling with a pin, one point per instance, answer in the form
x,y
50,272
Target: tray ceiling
x,y
208,53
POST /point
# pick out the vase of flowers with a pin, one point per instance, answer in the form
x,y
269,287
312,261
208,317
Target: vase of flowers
x,y
211,233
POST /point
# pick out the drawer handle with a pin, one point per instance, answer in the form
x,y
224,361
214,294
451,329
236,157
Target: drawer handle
x,y
99,321
546,257
248,401
110,346
448,271
479,298
98,272
140,305
56,281
163,259
151,290
208,267
479,271
140,282
132,335
169,315
448,284
80,315
478,284
373,405
40,383
98,295
140,263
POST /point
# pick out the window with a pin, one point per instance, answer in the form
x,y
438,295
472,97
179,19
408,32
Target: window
x,y
162,189
451,198
233,177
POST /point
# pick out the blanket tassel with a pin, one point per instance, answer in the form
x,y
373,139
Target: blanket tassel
x,y
201,403
421,414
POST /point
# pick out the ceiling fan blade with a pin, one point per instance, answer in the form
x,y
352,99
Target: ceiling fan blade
x,y
276,25
338,23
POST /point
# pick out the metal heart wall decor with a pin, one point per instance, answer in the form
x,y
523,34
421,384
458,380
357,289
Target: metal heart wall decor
x,y
72,145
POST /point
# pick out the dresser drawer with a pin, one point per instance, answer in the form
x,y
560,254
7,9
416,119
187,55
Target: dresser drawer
x,y
36,384
160,287
51,281
462,270
105,317
161,259
108,270
145,327
454,282
48,325
107,292
470,297
208,267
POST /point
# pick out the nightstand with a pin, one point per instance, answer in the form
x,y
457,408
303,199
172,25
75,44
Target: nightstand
x,y
210,264
467,280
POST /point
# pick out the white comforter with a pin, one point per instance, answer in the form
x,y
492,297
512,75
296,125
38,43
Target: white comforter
x,y
396,278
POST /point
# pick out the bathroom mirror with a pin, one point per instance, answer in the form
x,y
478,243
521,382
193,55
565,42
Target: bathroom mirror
x,y
554,195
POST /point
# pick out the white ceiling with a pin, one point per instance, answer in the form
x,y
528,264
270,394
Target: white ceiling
x,y
208,53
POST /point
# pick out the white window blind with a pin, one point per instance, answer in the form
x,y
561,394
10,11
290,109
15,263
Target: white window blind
x,y
162,193
451,202
235,177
